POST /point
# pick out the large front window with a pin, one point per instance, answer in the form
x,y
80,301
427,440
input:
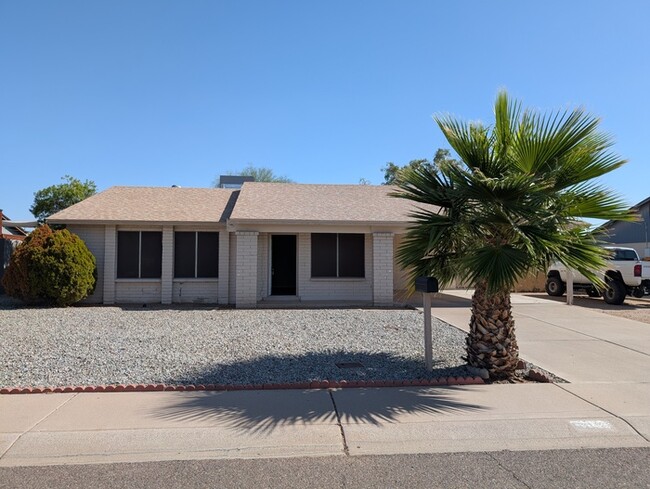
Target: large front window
x,y
337,255
196,254
139,254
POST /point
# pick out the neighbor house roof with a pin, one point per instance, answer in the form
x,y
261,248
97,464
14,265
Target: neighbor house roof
x,y
151,204
636,207
305,203
9,229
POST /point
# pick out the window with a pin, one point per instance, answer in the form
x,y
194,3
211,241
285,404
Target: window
x,y
337,255
196,255
139,254
625,255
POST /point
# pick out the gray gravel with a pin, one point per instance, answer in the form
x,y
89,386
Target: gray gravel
x,y
116,345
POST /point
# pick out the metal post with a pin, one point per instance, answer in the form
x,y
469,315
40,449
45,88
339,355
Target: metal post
x,y
428,342
569,286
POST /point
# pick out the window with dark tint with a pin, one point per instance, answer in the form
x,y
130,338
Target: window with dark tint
x,y
139,254
184,255
128,254
196,255
207,260
323,255
351,255
150,254
337,255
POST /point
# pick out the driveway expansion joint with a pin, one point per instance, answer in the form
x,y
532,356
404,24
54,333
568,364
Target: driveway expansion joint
x,y
36,424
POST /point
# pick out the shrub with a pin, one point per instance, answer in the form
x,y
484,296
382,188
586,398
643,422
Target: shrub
x,y
54,267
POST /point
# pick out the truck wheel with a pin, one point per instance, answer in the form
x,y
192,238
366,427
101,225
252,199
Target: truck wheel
x,y
593,292
638,292
555,287
615,292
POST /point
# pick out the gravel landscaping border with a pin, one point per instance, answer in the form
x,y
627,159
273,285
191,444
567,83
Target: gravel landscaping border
x,y
208,347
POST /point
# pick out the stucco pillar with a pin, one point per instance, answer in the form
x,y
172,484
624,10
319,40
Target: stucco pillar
x,y
167,275
382,269
246,269
110,256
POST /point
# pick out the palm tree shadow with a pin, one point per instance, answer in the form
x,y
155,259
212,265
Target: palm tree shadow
x,y
330,365
262,411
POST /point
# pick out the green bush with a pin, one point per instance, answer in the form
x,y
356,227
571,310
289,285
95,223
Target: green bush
x,y
49,266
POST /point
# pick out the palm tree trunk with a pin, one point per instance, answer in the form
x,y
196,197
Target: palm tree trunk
x,y
491,341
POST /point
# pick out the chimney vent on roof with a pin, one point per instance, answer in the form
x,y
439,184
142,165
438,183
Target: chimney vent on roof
x,y
234,181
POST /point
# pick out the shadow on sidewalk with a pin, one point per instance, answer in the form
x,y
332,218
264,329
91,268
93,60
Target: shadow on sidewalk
x,y
261,411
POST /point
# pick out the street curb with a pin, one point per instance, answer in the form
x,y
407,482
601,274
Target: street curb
x,y
316,384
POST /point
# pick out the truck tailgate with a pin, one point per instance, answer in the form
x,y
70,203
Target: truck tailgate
x,y
645,271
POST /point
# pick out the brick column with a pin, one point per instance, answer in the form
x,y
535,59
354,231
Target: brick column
x,y
110,258
167,275
246,269
224,266
382,269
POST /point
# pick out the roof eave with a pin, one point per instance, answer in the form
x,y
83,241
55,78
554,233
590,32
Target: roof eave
x,y
315,222
119,222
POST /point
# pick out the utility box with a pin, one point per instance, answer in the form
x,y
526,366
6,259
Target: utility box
x,y
426,285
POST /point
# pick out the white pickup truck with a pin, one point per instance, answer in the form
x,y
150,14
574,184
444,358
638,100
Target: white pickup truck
x,y
624,274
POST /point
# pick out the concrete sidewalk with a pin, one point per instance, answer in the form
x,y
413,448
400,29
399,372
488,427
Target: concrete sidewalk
x,y
606,404
43,429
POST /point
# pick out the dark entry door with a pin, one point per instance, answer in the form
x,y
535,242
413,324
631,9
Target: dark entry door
x,y
283,264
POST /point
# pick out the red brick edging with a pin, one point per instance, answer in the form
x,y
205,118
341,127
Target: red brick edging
x,y
322,384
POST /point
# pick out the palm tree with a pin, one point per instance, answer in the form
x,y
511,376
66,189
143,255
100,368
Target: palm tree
x,y
513,203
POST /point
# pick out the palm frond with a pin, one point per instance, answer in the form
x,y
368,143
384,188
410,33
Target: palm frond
x,y
513,204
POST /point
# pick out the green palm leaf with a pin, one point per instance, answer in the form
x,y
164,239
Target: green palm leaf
x,y
510,206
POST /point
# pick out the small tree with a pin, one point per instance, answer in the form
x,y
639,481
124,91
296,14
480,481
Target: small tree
x,y
393,173
54,267
55,198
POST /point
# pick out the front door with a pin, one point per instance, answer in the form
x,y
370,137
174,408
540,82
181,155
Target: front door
x,y
283,264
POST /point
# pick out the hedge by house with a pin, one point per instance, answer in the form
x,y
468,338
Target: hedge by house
x,y
49,266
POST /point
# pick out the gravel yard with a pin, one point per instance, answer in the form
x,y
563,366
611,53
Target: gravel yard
x,y
203,345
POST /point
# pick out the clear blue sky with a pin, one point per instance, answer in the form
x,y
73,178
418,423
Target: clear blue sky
x,y
159,92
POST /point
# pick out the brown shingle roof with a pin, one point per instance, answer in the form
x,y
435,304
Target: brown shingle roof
x,y
151,204
319,203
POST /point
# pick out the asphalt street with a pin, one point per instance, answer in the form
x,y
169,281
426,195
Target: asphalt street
x,y
589,468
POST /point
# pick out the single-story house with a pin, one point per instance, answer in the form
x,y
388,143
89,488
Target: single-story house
x,y
263,242
10,236
631,234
